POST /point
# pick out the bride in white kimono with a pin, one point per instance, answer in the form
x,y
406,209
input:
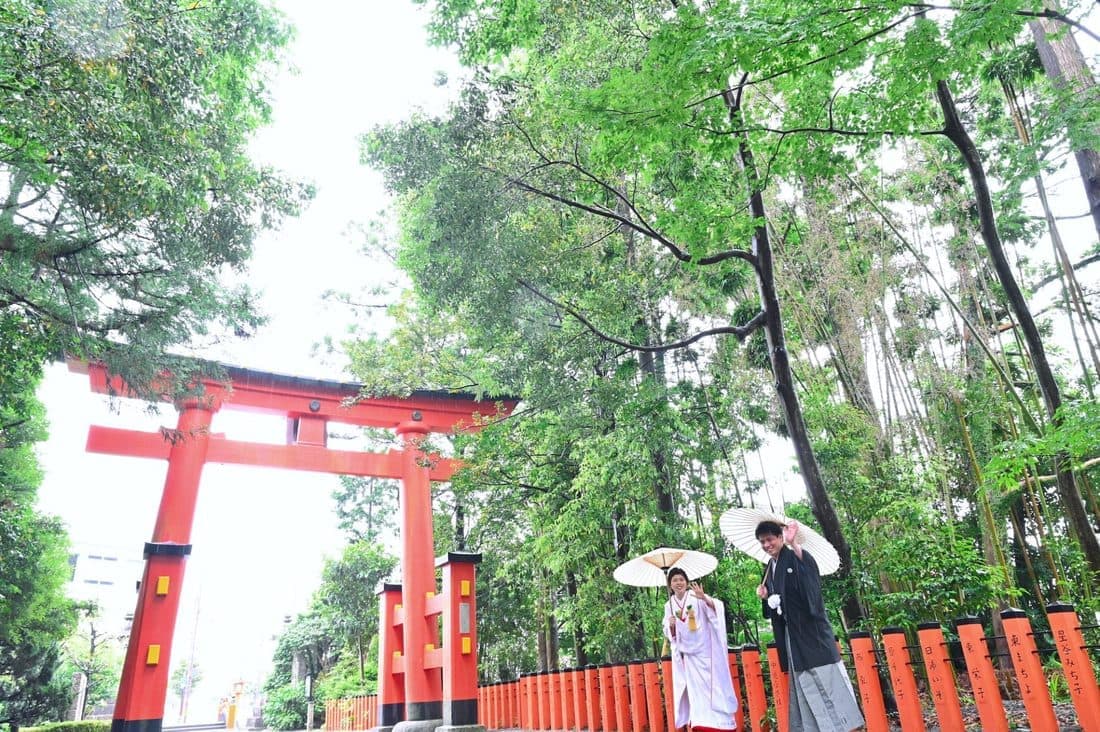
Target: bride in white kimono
x,y
695,626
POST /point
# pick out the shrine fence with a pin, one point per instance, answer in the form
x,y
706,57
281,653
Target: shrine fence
x,y
919,683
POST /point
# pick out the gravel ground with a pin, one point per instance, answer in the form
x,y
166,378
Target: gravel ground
x,y
1014,710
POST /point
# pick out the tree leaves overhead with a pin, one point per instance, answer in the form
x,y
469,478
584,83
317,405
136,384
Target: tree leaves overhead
x,y
127,191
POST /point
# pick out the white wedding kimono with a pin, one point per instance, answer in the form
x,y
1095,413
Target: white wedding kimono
x,y
702,689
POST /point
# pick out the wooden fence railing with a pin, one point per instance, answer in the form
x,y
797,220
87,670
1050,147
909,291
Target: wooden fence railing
x,y
633,697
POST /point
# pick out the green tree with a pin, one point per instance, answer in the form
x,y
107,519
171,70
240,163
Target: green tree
x,y
97,654
348,596
185,677
366,507
35,615
127,192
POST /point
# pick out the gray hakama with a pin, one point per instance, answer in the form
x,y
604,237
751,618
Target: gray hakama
x,y
822,699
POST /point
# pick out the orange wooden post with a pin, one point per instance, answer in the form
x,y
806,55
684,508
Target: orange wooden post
x,y
666,687
870,689
735,677
1029,671
781,688
592,697
510,706
639,712
517,703
983,680
941,675
1076,665
545,699
567,716
554,687
903,680
530,701
754,688
607,698
622,697
492,705
537,713
459,599
651,677
580,700
391,666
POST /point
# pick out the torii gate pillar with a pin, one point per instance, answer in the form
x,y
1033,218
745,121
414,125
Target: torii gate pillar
x,y
141,692
423,684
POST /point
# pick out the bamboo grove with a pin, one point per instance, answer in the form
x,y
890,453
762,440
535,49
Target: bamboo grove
x,y
705,241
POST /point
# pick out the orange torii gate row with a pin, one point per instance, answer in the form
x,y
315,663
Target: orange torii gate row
x,y
439,685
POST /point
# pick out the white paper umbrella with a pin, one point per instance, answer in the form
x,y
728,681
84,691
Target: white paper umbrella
x,y
649,569
739,526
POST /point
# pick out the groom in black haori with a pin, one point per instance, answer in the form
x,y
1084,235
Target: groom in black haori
x,y
821,695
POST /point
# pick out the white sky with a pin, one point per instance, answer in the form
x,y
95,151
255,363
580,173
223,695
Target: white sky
x,y
260,535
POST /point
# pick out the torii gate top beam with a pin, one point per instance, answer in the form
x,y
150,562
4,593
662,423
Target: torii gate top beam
x,y
296,397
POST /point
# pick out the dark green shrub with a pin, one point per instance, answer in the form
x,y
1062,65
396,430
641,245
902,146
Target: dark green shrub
x,y
286,707
84,726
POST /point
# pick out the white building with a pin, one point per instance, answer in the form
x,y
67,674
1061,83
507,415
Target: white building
x,y
109,576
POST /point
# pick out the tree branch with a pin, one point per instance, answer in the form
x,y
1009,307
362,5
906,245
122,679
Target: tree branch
x,y
629,223
1047,13
740,331
1081,264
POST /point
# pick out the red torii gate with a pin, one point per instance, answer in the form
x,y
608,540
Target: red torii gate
x,y
439,684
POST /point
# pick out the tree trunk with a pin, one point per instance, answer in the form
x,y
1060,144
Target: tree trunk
x,y
1068,492
579,652
1065,65
460,526
652,365
820,502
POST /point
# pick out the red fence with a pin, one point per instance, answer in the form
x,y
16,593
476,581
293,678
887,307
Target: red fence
x,y
635,698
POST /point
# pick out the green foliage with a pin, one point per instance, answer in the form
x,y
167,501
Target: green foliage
x,y
310,637
185,677
1075,435
35,615
347,600
366,507
285,708
89,725
128,191
346,678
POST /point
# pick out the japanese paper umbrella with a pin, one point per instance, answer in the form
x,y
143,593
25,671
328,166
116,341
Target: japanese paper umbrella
x,y
739,526
649,569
